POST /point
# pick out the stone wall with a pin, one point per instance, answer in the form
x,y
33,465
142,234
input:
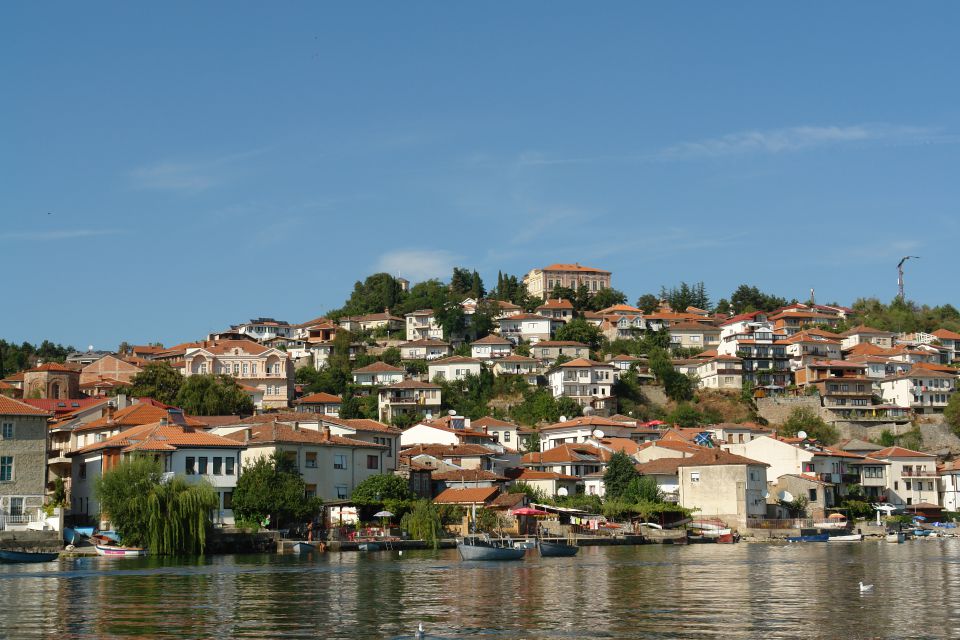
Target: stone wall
x,y
32,541
655,395
777,410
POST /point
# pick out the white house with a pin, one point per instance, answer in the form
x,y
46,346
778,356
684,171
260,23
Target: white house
x,y
377,374
422,325
261,329
720,372
325,403
721,485
454,368
426,349
181,451
911,476
516,365
923,390
528,327
558,309
949,340
579,430
407,397
589,383
491,347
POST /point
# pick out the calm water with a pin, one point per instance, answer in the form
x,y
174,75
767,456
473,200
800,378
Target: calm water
x,y
728,591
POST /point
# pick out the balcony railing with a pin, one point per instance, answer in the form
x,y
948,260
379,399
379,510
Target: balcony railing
x,y
918,473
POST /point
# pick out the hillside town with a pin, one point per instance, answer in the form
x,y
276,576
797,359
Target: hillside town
x,y
697,400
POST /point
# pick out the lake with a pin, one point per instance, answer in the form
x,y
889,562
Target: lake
x,y
728,591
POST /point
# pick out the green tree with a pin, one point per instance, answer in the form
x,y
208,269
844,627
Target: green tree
x,y
159,381
747,298
539,405
951,414
643,489
170,518
381,488
606,298
648,303
424,522
378,292
806,419
618,476
271,486
686,415
579,330
212,394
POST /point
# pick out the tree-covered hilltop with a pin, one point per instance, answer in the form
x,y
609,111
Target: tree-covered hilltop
x,y
17,357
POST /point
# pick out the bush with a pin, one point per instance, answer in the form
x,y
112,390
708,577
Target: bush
x,y
808,420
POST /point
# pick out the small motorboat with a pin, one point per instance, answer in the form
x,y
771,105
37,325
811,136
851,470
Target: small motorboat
x,y
849,537
369,546
8,556
896,537
116,551
557,549
84,532
819,537
477,548
303,547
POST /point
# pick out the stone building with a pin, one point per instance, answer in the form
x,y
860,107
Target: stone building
x,y
51,380
23,462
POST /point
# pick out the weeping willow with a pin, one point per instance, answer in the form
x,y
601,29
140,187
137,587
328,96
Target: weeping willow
x,y
423,522
169,518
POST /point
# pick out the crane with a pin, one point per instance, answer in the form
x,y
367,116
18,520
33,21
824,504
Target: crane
x,y
900,274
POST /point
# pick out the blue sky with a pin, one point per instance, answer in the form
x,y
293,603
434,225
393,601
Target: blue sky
x,y
204,163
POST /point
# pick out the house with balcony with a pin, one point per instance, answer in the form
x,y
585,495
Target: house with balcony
x,y
516,365
425,349
577,460
528,327
842,385
180,450
719,372
260,329
373,322
549,350
589,383
922,390
763,352
949,473
456,456
558,309
407,397
23,463
793,319
863,333
582,429
809,345
454,368
422,325
694,335
377,374
331,465
448,430
911,478
510,436
950,341
255,365
618,325
490,348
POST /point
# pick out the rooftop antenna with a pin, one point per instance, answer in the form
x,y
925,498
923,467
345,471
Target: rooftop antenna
x,y
813,297
900,276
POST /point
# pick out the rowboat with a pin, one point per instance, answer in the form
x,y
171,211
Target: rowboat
x,y
850,537
85,532
473,548
895,537
112,551
820,537
20,557
303,547
557,549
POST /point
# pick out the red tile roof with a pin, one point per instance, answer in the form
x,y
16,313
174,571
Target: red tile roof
x,y
285,433
11,407
567,453
573,267
947,334
715,457
467,475
584,421
157,436
319,398
899,452
530,474
141,413
492,339
379,367
60,407
480,495
54,367
448,450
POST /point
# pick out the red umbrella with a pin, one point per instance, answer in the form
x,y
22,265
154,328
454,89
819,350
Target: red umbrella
x,y
529,511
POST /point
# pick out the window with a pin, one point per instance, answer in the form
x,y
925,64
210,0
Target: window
x,y
373,462
873,472
6,468
341,491
218,466
228,499
339,461
229,462
813,495
203,466
83,470
310,490
896,485
190,466
7,430
236,369
907,485
694,476
311,460
253,369
506,436
246,368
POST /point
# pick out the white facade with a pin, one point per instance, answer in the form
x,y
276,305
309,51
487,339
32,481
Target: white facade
x,y
269,370
454,368
491,349
528,327
424,350
922,390
582,380
422,325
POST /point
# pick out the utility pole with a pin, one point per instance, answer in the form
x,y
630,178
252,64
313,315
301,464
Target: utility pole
x,y
900,276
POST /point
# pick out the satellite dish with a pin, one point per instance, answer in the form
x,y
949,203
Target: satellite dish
x,y
766,494
89,347
452,412
802,434
598,434
563,418
786,496
588,411
562,492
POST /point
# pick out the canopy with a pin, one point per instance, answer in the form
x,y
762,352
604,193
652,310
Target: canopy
x,y
383,514
528,511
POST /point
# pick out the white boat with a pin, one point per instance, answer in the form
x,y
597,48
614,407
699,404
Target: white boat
x,y
850,537
896,537
120,552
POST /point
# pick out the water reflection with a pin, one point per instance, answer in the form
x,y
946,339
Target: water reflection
x,y
739,591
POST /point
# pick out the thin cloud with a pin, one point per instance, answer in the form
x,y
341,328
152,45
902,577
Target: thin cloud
x,y
57,234
417,265
762,141
190,176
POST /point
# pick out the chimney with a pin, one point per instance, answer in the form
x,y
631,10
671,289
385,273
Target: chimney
x,y
296,425
247,434
325,433
122,401
111,409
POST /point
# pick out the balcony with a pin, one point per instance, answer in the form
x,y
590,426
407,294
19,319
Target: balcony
x,y
57,456
918,473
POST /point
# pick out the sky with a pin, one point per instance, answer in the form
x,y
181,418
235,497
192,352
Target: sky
x,y
170,169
